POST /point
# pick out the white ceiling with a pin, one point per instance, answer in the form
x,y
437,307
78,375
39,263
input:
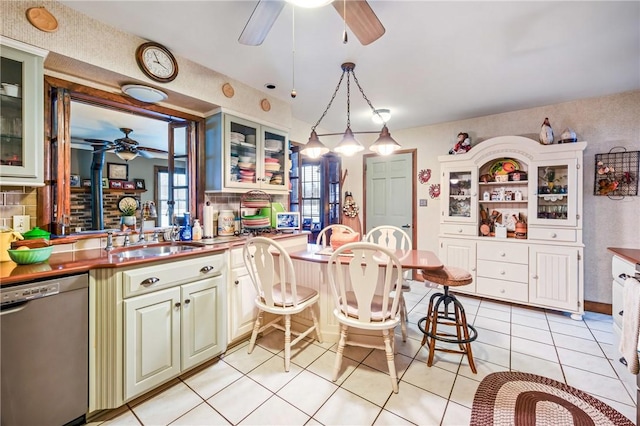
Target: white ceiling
x,y
437,62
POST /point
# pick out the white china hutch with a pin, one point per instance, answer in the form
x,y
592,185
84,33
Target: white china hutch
x,y
511,215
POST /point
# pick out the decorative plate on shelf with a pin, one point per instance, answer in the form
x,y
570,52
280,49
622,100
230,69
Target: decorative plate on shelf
x,y
504,166
127,204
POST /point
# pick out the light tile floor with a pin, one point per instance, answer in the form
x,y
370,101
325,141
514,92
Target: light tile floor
x,y
253,389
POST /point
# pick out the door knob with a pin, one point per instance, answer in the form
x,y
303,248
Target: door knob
x,y
406,226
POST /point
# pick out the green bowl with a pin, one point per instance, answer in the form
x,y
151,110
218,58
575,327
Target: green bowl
x,y
27,257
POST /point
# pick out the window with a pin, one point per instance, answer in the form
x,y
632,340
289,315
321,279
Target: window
x,y
315,190
166,210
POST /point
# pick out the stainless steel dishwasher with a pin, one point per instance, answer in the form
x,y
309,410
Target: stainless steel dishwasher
x,y
44,352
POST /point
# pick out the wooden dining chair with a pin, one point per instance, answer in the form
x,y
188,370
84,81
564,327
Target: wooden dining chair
x,y
361,277
394,238
325,234
272,274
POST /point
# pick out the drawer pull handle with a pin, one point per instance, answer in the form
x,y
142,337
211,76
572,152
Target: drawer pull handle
x,y
150,281
206,269
620,313
187,301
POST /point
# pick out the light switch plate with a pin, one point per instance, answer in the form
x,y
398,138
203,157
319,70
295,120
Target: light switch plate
x,y
423,202
21,223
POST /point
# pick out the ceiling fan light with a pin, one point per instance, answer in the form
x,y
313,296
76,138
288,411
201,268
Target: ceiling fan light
x,y
310,3
314,148
385,144
126,155
144,93
349,145
381,116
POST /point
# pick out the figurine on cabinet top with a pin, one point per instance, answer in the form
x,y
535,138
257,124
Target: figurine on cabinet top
x,y
463,145
546,133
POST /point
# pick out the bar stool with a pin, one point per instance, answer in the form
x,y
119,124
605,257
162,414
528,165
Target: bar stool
x,y
465,333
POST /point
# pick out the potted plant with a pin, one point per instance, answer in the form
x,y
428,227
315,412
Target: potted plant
x,y
128,207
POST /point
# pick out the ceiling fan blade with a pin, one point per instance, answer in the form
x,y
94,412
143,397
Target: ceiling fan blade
x,y
361,19
154,150
260,22
96,141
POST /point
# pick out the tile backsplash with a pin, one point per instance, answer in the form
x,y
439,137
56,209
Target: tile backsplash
x,y
18,200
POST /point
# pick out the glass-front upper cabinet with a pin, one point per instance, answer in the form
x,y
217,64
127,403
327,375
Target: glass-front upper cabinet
x,y
21,114
553,184
460,195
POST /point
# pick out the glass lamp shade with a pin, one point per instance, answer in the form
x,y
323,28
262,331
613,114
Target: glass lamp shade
x,y
385,144
314,148
349,145
126,155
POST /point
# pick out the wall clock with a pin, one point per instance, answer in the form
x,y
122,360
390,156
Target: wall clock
x,y
157,62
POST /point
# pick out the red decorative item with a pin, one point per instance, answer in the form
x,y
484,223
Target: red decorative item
x,y
424,175
434,190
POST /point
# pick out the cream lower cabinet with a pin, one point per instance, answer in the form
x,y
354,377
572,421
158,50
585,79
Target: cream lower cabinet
x,y
150,324
242,295
170,331
553,276
461,254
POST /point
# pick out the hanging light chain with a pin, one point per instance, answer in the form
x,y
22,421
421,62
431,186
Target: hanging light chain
x,y
330,102
355,79
349,98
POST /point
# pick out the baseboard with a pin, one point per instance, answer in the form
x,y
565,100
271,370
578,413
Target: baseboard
x,y
601,308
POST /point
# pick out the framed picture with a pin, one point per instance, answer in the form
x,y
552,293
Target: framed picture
x,y
117,171
105,183
115,184
139,183
75,181
128,185
86,183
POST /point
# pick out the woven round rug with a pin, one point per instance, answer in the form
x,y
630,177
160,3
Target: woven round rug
x,y
522,399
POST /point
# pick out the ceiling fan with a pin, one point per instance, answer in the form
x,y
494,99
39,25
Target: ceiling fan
x,y
125,148
357,14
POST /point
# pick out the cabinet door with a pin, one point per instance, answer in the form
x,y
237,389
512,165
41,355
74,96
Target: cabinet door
x,y
242,309
203,320
460,195
554,277
243,153
151,340
461,254
21,118
275,163
555,199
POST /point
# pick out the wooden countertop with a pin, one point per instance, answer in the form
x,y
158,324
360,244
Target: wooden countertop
x,y
628,254
76,262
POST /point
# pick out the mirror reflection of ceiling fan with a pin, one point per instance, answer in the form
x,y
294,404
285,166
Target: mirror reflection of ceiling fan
x,y
357,14
125,148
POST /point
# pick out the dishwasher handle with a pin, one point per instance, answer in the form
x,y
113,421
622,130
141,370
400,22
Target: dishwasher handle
x,y
13,308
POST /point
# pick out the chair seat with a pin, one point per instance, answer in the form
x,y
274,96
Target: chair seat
x,y
376,307
304,294
449,276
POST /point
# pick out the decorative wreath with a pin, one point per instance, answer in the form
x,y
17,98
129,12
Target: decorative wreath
x,y
424,175
350,208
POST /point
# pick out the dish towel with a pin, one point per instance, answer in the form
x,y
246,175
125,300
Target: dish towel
x,y
631,324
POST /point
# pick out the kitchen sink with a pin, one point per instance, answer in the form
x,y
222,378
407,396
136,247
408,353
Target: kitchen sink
x,y
155,250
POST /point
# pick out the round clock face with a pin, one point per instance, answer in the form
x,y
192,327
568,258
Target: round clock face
x,y
157,62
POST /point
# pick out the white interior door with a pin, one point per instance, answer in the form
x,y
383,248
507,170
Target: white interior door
x,y
389,191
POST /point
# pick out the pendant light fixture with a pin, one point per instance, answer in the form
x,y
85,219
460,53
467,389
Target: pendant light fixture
x,y
349,145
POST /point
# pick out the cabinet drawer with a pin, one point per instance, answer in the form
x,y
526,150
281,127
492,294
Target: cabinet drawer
x,y
503,252
155,277
552,234
503,271
456,229
504,290
236,258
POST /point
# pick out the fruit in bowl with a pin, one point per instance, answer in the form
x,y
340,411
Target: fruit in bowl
x,y
26,256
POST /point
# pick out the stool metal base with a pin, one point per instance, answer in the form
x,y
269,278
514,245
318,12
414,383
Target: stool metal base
x,y
465,333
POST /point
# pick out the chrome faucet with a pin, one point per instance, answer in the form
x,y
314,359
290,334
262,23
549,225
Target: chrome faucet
x,y
109,245
141,237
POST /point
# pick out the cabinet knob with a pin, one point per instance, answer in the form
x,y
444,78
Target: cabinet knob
x,y
620,313
206,269
473,269
553,235
502,272
236,282
502,254
535,277
187,301
150,281
502,290
177,305
460,230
